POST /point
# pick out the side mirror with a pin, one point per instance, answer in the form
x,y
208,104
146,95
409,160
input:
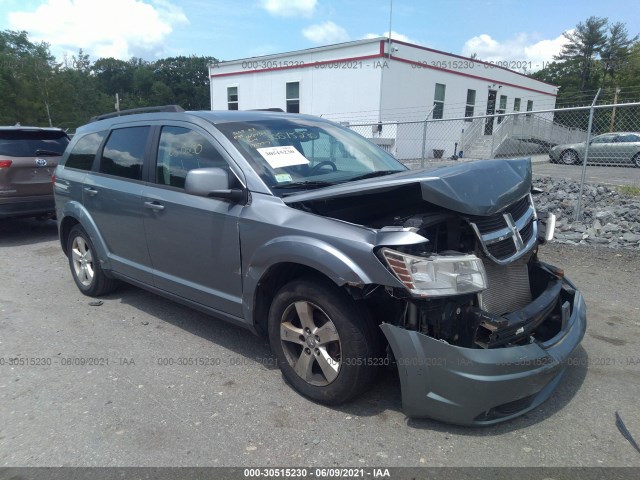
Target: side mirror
x,y
213,183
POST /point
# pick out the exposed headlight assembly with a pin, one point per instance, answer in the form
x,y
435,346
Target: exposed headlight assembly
x,y
437,275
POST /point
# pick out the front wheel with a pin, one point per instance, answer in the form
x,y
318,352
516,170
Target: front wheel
x,y
636,160
325,343
85,266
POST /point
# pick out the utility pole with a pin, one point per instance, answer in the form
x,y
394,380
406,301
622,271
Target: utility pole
x,y
117,105
613,112
389,36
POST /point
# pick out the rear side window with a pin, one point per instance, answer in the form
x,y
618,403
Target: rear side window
x,y
84,151
123,153
630,137
32,143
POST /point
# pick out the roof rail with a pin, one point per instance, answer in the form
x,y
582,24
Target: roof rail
x,y
132,111
272,109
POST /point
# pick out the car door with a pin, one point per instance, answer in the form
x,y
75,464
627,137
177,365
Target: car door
x,y
113,197
193,241
627,148
602,148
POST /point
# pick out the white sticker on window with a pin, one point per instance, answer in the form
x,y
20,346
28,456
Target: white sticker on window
x,y
279,157
283,177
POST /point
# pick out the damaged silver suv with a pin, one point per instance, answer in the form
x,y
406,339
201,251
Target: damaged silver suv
x,y
302,230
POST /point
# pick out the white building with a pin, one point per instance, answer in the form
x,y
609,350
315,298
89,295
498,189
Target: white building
x,y
374,80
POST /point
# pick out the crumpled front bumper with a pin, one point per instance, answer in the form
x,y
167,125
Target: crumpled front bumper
x,y
478,387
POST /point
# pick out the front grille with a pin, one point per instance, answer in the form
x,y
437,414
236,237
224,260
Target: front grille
x,y
509,234
497,221
502,249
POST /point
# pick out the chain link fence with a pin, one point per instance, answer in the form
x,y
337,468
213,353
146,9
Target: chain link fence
x,y
602,135
560,135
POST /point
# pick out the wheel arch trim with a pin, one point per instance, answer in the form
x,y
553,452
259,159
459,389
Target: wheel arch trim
x,y
302,251
79,214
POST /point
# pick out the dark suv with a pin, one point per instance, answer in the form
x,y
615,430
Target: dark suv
x,y
28,157
298,228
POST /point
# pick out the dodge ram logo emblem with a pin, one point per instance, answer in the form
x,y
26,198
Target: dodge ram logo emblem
x,y
41,162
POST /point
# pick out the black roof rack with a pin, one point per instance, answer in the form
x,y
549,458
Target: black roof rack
x,y
131,111
273,109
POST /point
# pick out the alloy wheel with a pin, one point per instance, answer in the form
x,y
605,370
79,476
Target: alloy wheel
x,y
82,261
311,343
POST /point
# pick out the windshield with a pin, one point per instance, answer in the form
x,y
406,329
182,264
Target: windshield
x,y
300,154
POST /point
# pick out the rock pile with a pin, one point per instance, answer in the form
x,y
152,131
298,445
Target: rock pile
x,y
609,217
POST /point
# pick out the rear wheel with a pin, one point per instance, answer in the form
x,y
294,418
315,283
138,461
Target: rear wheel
x,y
569,157
325,343
636,160
85,266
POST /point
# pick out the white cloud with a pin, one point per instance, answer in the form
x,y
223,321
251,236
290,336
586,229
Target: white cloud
x,y
102,28
522,48
327,32
394,36
289,8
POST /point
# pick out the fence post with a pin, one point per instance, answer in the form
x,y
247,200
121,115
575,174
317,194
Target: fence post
x,y
586,157
493,136
424,143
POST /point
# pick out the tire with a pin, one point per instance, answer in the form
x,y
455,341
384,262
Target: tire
x,y
85,267
569,157
327,346
636,160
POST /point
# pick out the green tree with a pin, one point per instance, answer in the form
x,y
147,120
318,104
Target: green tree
x,y
188,79
37,90
113,75
584,46
616,50
26,70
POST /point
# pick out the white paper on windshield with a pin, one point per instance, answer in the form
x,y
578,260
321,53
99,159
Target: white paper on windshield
x,y
279,157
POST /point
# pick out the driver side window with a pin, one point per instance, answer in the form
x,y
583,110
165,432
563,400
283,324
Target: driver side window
x,y
182,149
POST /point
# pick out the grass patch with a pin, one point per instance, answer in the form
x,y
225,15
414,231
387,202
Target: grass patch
x,y
631,190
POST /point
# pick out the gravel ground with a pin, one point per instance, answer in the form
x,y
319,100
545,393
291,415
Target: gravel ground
x,y
137,411
608,217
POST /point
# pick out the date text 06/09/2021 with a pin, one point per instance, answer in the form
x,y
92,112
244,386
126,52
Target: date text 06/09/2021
x,y
345,473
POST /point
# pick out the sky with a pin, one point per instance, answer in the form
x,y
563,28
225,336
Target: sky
x,y
518,30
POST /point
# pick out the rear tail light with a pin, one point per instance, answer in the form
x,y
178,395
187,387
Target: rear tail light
x,y
5,163
53,179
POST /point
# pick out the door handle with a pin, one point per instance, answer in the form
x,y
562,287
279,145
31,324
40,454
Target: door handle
x,y
91,191
155,206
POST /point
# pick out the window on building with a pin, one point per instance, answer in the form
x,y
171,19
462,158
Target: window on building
x,y
293,97
123,153
529,107
232,98
438,101
516,104
502,107
471,102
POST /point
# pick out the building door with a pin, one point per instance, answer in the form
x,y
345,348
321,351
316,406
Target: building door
x,y
491,109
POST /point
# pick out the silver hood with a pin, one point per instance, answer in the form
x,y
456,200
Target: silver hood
x,y
482,187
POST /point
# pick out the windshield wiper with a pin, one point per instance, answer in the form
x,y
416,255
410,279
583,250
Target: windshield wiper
x,y
379,173
49,153
305,184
